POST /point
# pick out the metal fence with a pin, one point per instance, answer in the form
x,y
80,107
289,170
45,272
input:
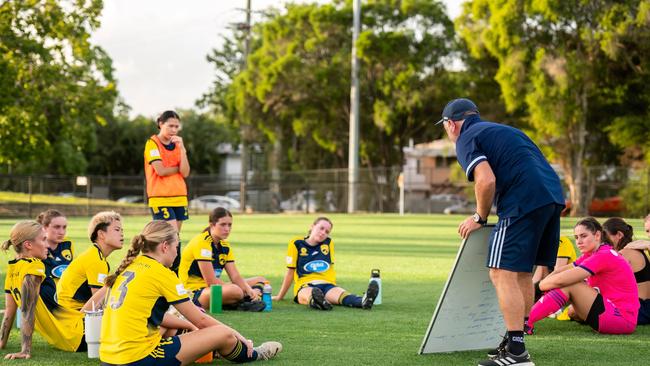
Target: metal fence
x,y
425,191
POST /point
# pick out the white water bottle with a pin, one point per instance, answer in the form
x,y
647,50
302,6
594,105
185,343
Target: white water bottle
x,y
374,276
266,296
93,326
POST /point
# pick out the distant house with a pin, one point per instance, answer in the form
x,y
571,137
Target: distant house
x,y
231,163
427,167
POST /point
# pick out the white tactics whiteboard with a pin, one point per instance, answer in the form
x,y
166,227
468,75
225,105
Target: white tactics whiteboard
x,y
467,316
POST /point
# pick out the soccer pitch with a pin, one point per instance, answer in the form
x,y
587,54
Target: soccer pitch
x,y
414,253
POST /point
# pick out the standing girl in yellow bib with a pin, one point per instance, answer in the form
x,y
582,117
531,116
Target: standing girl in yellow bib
x,y
166,167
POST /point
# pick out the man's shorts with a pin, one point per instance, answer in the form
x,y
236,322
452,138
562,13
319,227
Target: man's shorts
x,y
168,213
195,296
518,243
325,287
163,355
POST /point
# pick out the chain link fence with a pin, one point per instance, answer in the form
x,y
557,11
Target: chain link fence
x,y
614,191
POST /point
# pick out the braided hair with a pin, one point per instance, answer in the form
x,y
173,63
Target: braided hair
x,y
147,241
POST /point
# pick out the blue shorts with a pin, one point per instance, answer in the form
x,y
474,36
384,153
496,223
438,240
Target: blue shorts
x,y
195,296
325,287
644,312
163,355
170,213
518,243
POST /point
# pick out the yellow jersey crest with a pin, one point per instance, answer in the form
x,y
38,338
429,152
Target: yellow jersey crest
x,y
67,254
325,249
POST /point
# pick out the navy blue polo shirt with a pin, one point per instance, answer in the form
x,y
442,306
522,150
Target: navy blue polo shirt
x,y
524,179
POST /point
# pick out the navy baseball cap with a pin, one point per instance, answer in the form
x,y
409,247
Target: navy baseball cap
x,y
455,109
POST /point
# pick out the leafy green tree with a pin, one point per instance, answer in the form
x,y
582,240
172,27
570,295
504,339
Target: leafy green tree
x,y
202,134
636,193
55,86
120,146
555,61
295,87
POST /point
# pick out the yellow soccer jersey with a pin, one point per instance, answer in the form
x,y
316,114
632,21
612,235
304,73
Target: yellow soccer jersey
x,y
61,328
566,250
202,248
312,264
136,305
85,272
151,154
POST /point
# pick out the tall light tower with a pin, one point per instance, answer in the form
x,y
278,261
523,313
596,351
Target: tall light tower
x,y
353,149
245,128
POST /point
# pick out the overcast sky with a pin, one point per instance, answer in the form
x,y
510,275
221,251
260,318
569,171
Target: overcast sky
x,y
159,47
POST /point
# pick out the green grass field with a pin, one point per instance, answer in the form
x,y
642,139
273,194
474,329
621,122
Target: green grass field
x,y
414,253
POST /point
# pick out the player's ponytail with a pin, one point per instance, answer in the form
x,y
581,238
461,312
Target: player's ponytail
x,y
613,226
5,245
152,235
20,233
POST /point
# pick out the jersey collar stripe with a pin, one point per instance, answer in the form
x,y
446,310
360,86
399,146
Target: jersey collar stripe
x,y
473,163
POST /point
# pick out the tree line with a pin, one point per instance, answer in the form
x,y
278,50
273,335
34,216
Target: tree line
x,y
572,74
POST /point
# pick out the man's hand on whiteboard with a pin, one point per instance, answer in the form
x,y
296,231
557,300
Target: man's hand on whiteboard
x,y
467,226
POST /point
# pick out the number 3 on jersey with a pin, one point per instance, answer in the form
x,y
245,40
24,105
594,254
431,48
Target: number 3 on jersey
x,y
128,277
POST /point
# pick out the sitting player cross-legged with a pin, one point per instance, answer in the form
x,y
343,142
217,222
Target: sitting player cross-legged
x,y
310,263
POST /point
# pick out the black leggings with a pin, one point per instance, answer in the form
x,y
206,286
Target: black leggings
x,y
597,308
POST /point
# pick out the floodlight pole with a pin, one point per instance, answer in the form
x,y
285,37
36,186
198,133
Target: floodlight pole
x,y
244,127
353,149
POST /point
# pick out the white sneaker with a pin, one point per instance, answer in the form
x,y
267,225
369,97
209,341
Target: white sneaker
x,y
268,350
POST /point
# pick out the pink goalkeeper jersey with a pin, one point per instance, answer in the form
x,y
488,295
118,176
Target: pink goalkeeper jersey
x,y
611,273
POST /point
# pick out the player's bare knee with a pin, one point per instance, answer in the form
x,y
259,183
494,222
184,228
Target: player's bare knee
x,y
222,335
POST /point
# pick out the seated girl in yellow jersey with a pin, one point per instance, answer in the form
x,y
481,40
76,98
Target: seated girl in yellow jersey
x,y
60,252
166,167
310,263
141,290
86,273
204,259
61,328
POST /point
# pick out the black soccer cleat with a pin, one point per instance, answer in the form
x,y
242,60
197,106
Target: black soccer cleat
x,y
254,306
506,358
318,301
370,295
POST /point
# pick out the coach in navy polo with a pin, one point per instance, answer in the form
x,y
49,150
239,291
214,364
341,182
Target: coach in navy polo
x,y
510,171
